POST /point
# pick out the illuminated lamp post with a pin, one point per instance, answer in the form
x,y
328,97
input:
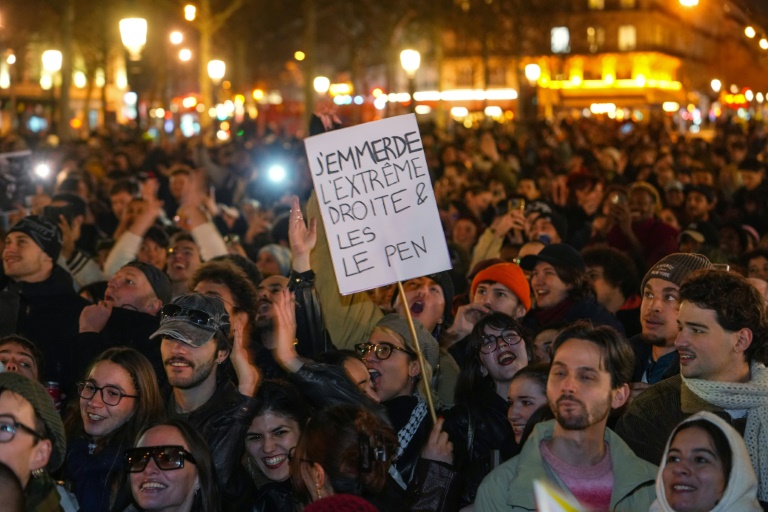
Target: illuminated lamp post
x,y
216,71
133,33
52,60
410,60
530,110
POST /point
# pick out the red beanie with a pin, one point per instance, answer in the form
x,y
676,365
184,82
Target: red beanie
x,y
511,276
341,503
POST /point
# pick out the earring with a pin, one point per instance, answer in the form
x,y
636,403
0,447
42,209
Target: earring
x,y
37,473
319,492
197,490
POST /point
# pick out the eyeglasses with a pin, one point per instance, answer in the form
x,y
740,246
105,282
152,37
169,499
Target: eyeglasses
x,y
382,350
490,342
195,316
110,395
9,426
167,458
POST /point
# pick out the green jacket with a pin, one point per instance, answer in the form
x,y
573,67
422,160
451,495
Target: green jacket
x,y
510,486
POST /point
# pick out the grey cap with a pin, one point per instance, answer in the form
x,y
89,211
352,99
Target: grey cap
x,y
181,321
676,267
428,344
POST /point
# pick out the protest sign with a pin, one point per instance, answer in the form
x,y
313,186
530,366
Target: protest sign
x,y
376,199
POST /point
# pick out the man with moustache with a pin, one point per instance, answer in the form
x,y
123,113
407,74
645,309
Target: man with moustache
x,y
575,452
723,328
195,332
655,356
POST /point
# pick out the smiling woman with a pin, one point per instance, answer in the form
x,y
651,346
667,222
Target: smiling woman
x,y
118,397
706,467
274,432
171,469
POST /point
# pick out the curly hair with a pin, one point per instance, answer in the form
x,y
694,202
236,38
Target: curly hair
x,y
228,274
353,446
736,303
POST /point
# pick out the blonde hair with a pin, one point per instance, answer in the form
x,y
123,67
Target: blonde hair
x,y
425,377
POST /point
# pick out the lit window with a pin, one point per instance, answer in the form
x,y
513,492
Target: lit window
x,y
561,40
628,4
595,38
627,37
597,4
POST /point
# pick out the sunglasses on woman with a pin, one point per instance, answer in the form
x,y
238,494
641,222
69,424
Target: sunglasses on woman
x,y
167,458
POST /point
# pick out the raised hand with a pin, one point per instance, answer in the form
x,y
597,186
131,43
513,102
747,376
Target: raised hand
x,y
285,331
94,318
301,237
248,375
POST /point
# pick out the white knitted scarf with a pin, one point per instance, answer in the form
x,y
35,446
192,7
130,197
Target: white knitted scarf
x,y
753,396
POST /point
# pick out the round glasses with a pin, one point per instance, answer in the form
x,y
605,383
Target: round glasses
x,y
110,395
167,458
490,342
382,350
9,426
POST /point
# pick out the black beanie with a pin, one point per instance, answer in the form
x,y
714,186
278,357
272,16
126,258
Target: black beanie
x,y
43,232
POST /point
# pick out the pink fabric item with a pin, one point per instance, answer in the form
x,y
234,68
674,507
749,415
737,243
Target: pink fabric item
x,y
591,485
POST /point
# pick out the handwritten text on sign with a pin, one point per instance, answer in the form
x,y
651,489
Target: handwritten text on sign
x,y
376,199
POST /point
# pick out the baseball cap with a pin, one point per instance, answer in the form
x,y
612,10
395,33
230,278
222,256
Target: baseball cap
x,y
193,319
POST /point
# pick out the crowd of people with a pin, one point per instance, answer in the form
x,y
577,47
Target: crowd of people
x,y
172,334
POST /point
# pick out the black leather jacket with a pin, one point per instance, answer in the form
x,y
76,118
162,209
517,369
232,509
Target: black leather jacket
x,y
487,419
223,421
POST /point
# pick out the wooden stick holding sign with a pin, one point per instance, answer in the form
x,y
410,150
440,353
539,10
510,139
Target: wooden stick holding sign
x,y
419,353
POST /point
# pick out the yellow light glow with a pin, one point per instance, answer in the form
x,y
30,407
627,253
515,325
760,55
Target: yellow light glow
x,y
340,89
189,102
423,109
603,108
224,125
749,95
640,80
52,61
716,85
459,112
377,92
190,11
668,85
750,32
493,111
576,80
763,43
258,94
299,56
226,84
160,112
185,54
689,3
532,72
11,59
239,98
75,123
321,84
176,37
670,106
79,80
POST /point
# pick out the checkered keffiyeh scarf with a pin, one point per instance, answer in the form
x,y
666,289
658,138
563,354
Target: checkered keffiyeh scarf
x,y
752,396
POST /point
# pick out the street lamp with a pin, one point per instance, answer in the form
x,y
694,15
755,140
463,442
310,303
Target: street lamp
x,y
133,32
689,3
52,60
750,32
176,37
321,84
216,71
716,85
190,11
410,60
533,73
530,109
185,54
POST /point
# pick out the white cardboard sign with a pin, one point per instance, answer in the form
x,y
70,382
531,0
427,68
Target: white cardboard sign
x,y
376,199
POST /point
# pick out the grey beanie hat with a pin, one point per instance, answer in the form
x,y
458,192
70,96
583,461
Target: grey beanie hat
x,y
676,267
428,344
34,393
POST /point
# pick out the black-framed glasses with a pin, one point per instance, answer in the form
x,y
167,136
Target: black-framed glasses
x,y
9,426
167,458
490,342
195,316
110,395
383,349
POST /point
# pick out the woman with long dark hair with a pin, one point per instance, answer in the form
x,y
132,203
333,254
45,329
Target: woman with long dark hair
x,y
118,398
